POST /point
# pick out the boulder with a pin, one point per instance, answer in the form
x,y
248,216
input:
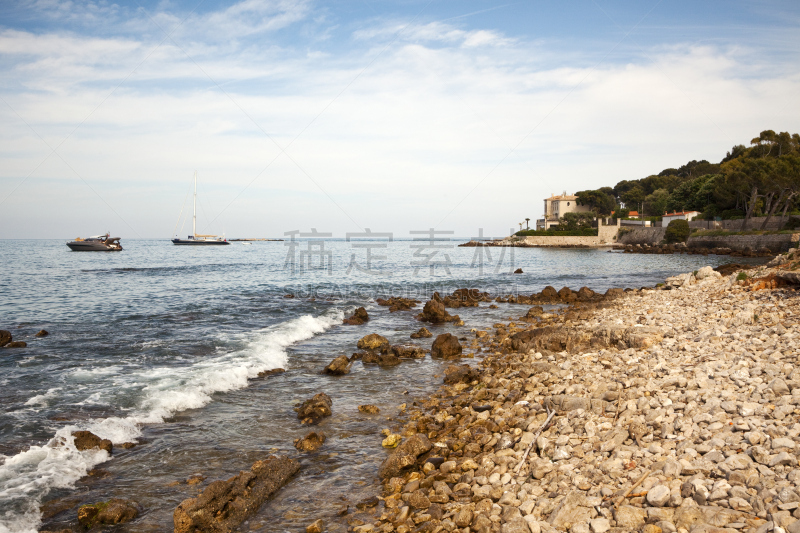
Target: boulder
x,y
446,346
369,409
86,440
42,333
707,272
567,295
5,337
114,511
407,351
549,293
585,293
310,442
16,344
614,293
460,374
404,456
397,304
315,409
225,504
518,271
339,366
372,341
534,312
423,333
359,317
388,359
317,526
630,517
435,312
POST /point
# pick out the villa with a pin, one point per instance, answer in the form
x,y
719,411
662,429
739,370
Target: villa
x,y
556,206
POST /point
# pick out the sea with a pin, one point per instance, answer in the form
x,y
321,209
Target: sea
x,y
162,346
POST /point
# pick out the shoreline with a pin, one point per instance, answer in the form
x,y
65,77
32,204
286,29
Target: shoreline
x,y
660,421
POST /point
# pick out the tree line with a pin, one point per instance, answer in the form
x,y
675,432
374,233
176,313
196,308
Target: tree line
x,y
760,180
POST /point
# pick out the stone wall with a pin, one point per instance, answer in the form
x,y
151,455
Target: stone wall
x,y
775,223
565,242
643,236
775,243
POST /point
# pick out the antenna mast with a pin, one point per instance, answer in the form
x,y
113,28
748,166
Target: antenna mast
x,y
194,208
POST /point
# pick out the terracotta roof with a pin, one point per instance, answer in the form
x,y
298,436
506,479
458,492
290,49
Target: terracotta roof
x,y
681,213
563,197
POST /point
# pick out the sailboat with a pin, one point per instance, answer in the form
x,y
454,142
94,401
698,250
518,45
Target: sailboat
x,y
194,238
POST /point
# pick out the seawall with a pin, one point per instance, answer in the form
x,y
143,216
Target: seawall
x,y
775,243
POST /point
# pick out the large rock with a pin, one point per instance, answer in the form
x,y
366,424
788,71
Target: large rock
x,y
315,409
707,272
404,456
435,312
310,442
359,317
423,333
407,351
86,440
630,517
223,505
574,509
446,346
372,341
5,337
460,374
114,511
339,366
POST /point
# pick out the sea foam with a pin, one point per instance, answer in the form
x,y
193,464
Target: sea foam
x,y
26,478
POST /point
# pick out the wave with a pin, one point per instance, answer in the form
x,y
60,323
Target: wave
x,y
26,478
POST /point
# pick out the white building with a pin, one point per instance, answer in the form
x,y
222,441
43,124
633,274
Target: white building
x,y
683,215
556,206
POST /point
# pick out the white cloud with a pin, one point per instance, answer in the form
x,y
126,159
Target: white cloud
x,y
423,125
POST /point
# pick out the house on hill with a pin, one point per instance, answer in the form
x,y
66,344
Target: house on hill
x,y
556,206
683,215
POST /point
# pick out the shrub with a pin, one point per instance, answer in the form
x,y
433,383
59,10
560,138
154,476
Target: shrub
x,y
677,231
742,276
792,223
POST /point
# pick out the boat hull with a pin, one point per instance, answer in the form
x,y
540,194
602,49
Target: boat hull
x,y
93,247
197,242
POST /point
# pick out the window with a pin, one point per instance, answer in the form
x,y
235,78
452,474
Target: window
x,y
567,203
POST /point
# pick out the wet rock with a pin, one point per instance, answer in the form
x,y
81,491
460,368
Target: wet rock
x,y
310,442
423,333
460,374
435,312
338,367
388,359
358,318
5,337
16,344
86,440
114,511
397,303
225,504
407,352
274,371
446,346
549,294
315,409
317,526
372,341
369,409
534,312
41,333
518,271
195,479
404,456
391,441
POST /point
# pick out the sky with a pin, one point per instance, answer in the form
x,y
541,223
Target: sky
x,y
395,116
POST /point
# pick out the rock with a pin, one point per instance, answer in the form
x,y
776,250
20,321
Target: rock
x,y
567,295
317,526
388,359
630,517
460,374
5,337
707,272
518,271
423,333
614,293
407,352
359,317
391,441
783,458
369,409
779,387
549,293
404,456
435,312
86,440
372,341
418,500
338,367
446,346
16,344
315,409
515,525
658,496
534,312
114,511
575,508
397,304
463,517
274,371
599,525
310,442
40,333
225,504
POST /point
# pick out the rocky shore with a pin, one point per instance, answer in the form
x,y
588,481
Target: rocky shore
x,y
672,410
682,248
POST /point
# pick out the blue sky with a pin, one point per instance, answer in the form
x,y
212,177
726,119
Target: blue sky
x,y
390,115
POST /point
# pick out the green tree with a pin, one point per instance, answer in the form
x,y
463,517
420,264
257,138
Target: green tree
x,y
677,231
575,221
599,201
656,202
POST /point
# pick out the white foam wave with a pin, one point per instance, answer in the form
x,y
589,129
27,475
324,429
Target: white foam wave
x,y
42,399
27,477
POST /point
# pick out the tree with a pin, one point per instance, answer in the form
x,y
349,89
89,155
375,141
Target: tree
x,y
527,220
656,202
677,231
748,176
599,201
633,196
576,221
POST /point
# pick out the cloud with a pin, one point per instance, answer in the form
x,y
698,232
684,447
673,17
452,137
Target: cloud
x,y
432,32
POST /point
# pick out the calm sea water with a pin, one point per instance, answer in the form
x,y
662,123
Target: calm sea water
x,y
162,345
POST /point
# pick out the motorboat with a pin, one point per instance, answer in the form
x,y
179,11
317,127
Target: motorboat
x,y
98,243
196,239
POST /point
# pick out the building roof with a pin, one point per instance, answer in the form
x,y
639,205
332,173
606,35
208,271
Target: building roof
x,y
564,196
633,213
681,213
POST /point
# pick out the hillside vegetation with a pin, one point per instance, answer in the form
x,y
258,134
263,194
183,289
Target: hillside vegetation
x,y
760,180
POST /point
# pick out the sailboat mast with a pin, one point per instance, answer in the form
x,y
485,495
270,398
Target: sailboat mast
x,y
194,208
